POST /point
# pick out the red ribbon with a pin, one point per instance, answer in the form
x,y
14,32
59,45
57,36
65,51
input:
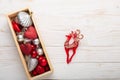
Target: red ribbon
x,y
76,37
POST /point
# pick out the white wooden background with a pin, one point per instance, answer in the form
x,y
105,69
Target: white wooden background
x,y
98,56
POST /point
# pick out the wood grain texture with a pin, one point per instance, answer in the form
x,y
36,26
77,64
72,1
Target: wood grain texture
x,y
98,56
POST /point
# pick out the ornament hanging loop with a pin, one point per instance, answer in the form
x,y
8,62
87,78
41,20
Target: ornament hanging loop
x,y
31,13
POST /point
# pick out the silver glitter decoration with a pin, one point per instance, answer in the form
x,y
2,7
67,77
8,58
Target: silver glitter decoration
x,y
32,63
24,19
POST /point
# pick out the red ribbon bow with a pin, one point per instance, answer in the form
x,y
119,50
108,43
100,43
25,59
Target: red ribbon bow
x,y
76,37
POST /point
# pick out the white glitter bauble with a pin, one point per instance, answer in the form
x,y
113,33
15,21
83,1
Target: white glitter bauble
x,y
32,63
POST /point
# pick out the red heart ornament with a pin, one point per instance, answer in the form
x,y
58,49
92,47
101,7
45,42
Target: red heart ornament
x,y
31,33
26,48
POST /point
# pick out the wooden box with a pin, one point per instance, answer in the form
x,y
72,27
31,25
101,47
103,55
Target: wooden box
x,y
12,15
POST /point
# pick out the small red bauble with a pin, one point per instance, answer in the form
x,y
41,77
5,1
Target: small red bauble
x,y
43,62
15,26
40,69
34,54
33,47
47,68
34,73
40,58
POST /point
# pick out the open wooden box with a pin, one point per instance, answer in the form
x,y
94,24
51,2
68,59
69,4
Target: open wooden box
x,y
12,15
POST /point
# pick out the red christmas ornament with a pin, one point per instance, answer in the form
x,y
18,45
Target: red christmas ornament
x,y
76,37
15,26
47,68
33,47
26,48
34,73
39,69
40,58
30,33
43,62
34,54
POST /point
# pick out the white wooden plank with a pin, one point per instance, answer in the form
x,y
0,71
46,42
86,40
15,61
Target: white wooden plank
x,y
57,55
11,67
10,64
57,38
107,32
85,71
82,71
86,55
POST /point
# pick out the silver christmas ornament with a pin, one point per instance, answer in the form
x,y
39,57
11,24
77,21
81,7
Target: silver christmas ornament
x,y
32,63
27,40
39,51
20,37
24,19
36,41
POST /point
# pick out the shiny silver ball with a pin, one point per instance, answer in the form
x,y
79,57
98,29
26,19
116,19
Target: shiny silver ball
x,y
39,51
20,37
24,19
36,41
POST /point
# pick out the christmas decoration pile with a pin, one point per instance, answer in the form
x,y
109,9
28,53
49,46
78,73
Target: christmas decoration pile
x,y
30,44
